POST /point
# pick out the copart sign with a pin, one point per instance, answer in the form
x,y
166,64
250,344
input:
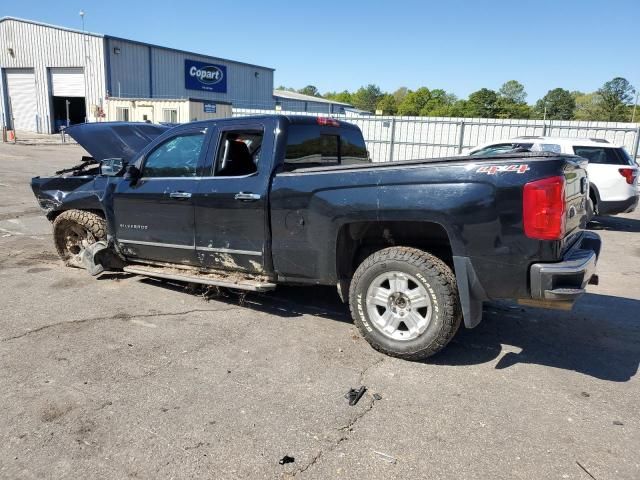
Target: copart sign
x,y
205,76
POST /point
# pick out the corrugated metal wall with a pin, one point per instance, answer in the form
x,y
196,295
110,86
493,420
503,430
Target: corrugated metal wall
x,y
130,75
290,105
129,69
41,47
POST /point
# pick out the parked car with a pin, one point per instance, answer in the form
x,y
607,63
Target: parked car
x,y
613,175
415,247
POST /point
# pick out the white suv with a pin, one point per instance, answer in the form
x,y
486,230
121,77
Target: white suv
x,y
613,175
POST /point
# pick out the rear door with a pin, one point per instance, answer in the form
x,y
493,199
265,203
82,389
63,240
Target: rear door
x,y
154,216
231,199
605,165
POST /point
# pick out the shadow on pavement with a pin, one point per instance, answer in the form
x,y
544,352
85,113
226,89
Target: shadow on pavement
x,y
286,301
599,338
615,224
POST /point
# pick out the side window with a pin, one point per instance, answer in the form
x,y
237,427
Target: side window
x,y
550,147
493,150
238,153
309,146
170,115
122,114
176,157
352,148
603,155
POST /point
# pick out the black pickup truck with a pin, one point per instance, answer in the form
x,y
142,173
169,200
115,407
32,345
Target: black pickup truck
x,y
415,247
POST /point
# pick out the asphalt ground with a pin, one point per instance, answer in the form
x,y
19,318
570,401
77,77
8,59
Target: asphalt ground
x,y
125,377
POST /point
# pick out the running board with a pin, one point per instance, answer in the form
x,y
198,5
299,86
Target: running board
x,y
231,280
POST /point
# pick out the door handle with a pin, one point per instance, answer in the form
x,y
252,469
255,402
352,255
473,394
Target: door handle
x,y
180,195
247,197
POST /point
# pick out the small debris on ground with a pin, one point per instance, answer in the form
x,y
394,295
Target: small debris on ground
x,y
585,394
385,457
286,459
354,395
377,396
618,422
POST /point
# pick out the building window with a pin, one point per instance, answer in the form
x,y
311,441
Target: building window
x,y
122,114
170,115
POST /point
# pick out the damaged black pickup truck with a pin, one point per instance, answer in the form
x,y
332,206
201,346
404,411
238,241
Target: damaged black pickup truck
x,y
415,247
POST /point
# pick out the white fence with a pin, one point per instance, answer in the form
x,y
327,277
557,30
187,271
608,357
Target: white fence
x,y
407,138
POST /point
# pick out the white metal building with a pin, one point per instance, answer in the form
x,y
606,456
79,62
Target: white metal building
x,y
288,101
52,76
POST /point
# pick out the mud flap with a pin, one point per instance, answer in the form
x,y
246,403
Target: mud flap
x,y
470,291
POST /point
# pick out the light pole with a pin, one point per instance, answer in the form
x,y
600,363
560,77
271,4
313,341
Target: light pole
x,y
635,107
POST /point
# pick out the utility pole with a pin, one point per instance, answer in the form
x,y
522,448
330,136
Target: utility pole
x,y
84,65
635,107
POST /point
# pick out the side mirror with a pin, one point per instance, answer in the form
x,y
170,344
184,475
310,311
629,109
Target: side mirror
x,y
132,173
111,166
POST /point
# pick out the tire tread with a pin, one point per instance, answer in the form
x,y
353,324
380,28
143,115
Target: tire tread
x,y
438,270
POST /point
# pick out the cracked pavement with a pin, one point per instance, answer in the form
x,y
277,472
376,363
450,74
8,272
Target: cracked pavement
x,y
122,376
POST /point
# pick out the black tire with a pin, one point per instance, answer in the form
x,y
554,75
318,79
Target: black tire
x,y
440,284
72,229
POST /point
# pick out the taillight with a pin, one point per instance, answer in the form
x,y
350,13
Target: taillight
x,y
543,208
328,122
629,174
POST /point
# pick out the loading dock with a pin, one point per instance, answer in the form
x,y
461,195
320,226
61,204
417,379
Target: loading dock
x,y
68,103
21,94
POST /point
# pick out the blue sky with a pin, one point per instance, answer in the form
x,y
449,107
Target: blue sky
x,y
460,46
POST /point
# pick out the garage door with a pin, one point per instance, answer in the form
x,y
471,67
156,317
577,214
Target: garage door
x,y
67,82
21,87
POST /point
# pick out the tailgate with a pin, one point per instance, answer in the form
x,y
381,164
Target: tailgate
x,y
576,195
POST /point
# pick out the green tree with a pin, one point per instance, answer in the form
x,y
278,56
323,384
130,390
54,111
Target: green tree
x,y
399,94
387,104
342,97
458,109
513,91
310,90
288,89
509,109
559,105
588,106
511,101
414,102
366,98
438,104
483,103
616,95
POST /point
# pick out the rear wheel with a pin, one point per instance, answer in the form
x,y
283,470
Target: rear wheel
x,y
405,302
75,230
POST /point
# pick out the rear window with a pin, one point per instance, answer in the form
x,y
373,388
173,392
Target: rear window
x,y
604,155
501,148
311,146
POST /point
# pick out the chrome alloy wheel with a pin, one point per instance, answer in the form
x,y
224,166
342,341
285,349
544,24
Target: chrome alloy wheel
x,y
398,305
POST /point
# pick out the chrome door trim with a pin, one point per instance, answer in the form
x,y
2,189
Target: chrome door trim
x,y
228,250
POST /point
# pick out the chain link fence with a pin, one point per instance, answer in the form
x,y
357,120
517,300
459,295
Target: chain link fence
x,y
406,138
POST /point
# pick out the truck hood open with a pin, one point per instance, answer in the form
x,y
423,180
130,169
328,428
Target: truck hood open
x,y
114,139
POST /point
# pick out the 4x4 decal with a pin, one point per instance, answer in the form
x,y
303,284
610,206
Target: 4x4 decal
x,y
493,169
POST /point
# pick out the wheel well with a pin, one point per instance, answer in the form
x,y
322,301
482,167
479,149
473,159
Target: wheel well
x,y
51,216
356,241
